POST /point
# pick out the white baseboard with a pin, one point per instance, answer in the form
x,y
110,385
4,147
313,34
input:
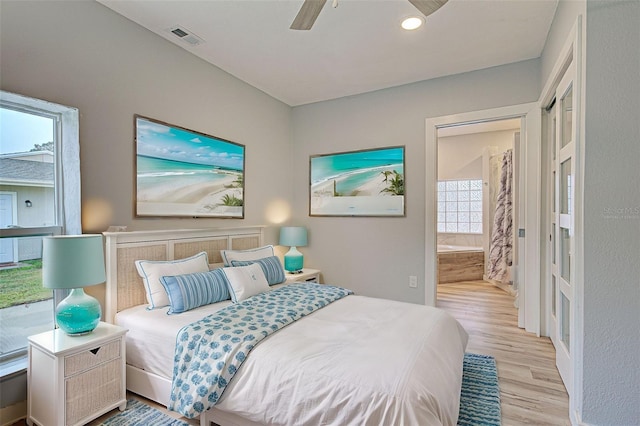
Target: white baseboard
x,y
12,413
576,420
505,287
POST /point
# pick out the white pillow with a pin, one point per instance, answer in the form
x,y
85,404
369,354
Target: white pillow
x,y
245,281
246,255
152,270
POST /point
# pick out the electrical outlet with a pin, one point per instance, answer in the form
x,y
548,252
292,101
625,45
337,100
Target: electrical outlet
x,y
413,281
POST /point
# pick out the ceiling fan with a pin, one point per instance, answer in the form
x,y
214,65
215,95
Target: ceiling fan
x,y
311,9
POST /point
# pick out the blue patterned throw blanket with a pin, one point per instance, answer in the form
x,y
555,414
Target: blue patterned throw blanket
x,y
210,351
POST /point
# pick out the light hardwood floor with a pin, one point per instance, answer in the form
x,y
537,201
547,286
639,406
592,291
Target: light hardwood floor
x,y
531,390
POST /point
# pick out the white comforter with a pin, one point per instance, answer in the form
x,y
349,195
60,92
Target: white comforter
x,y
357,361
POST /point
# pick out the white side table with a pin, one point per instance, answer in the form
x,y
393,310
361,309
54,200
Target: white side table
x,y
73,380
307,276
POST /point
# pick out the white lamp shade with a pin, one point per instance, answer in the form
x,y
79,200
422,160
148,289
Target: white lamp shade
x,y
72,261
295,236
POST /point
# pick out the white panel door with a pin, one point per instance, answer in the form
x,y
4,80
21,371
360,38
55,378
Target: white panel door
x,y
563,272
7,206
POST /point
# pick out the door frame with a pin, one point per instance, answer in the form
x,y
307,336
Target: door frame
x,y
549,314
573,51
528,273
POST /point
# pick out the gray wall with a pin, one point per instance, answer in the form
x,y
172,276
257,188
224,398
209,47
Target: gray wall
x,y
563,20
611,355
82,54
375,256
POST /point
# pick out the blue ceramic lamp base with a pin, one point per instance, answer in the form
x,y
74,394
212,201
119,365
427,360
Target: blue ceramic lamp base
x,y
78,313
293,261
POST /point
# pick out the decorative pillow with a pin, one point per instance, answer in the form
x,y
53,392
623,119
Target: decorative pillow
x,y
245,281
152,270
271,267
246,255
189,291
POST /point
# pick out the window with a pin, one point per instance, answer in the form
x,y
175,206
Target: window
x,y
460,206
38,153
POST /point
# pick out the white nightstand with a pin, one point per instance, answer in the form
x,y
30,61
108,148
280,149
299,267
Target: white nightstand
x,y
73,380
307,276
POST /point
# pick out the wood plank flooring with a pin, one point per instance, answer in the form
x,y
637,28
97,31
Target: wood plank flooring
x,y
531,390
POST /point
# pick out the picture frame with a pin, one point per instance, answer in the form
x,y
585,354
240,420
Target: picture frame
x,y
369,182
185,173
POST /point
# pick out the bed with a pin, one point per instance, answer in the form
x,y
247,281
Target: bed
x,y
357,360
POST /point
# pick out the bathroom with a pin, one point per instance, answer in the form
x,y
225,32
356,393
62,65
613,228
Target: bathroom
x,y
472,245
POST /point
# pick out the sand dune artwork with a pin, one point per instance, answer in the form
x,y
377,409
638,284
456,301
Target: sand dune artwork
x,y
358,183
184,173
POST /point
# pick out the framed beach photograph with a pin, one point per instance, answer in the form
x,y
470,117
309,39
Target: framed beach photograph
x,y
358,183
184,173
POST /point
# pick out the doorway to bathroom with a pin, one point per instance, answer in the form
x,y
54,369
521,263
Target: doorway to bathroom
x,y
461,151
476,189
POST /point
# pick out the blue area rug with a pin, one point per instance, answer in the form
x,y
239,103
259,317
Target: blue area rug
x,y
480,395
140,414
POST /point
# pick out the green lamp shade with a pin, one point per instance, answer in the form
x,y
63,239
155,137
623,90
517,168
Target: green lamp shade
x,y
74,262
293,236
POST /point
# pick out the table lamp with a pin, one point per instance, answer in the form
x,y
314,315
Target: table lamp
x,y
73,262
293,236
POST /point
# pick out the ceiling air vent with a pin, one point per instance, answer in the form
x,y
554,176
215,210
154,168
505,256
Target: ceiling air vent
x,y
186,35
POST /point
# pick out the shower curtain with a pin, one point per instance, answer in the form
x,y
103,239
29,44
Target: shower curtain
x,y
501,247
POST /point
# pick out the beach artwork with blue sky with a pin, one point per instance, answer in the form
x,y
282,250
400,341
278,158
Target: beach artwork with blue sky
x,y
358,183
181,172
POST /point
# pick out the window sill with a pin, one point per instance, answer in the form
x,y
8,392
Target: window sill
x,y
14,366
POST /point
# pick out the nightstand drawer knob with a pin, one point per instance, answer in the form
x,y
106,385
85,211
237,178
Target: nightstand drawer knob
x,y
94,351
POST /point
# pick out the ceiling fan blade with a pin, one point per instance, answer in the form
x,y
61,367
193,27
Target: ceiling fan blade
x,y
427,7
308,14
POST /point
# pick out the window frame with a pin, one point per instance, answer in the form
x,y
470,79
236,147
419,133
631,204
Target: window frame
x,y
67,201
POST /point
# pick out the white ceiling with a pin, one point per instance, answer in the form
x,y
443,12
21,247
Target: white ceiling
x,y
355,48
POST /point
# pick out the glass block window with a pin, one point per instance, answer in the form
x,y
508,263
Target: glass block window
x,y
460,206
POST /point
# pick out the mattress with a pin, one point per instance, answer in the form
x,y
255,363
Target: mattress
x,y
358,360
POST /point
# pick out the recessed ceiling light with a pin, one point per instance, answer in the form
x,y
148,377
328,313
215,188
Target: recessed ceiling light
x,y
412,23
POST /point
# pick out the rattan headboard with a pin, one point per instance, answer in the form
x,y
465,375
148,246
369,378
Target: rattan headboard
x,y
124,287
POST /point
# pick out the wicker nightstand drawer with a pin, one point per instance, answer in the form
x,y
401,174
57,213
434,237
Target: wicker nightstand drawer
x,y
93,390
88,359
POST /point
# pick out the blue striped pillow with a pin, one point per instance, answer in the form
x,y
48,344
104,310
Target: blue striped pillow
x,y
271,267
190,291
